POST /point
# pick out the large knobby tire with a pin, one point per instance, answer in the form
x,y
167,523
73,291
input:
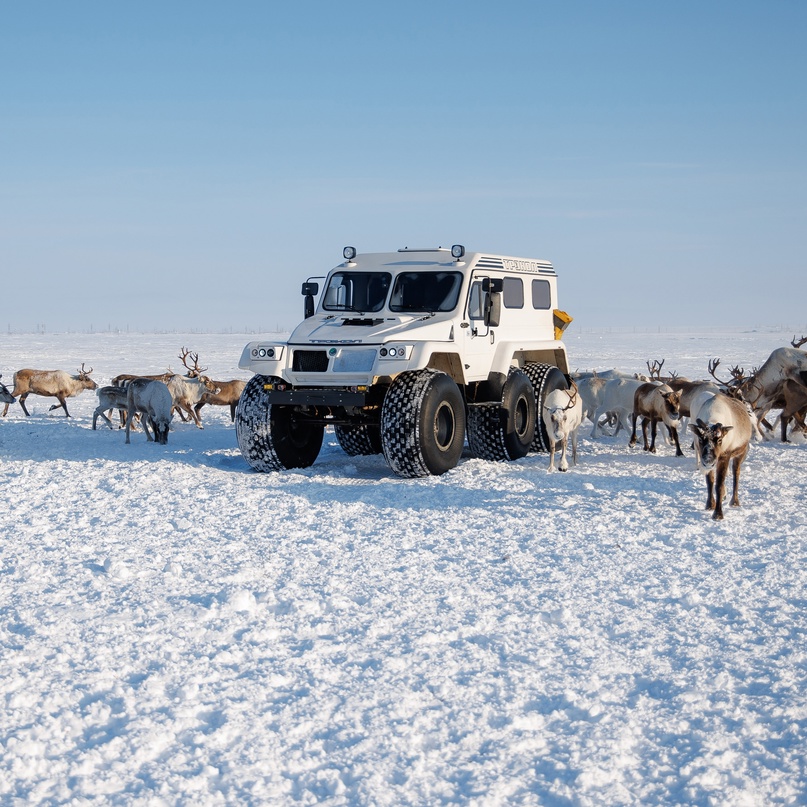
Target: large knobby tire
x,y
272,438
505,431
422,424
359,441
545,378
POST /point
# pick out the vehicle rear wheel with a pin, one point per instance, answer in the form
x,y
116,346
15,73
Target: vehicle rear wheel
x,y
272,438
359,440
545,378
422,424
504,431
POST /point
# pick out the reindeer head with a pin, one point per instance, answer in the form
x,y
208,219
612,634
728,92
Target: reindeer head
x,y
84,377
672,404
709,440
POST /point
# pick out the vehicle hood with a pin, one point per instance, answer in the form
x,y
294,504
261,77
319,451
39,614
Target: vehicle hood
x,y
370,329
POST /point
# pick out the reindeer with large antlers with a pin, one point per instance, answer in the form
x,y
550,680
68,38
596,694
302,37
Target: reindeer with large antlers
x,y
563,414
50,383
764,387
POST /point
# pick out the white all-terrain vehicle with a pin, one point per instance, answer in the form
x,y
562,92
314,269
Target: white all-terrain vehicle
x,y
409,354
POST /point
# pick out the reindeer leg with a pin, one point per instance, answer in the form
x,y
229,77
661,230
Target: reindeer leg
x,y
784,420
632,442
710,481
720,487
62,403
22,404
551,454
574,447
735,475
674,433
564,465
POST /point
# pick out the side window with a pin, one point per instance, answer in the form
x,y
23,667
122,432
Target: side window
x,y
475,301
513,292
541,294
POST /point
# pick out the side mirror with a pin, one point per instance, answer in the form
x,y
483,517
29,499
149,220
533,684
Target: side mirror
x,y
309,290
492,285
493,310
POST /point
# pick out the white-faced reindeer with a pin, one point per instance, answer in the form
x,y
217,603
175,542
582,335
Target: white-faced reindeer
x,y
50,384
653,403
563,414
722,432
153,401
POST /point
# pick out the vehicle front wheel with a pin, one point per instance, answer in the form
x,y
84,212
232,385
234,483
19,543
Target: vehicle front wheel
x,y
422,424
272,438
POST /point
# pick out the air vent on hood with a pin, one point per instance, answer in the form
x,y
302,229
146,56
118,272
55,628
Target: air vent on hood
x,y
368,323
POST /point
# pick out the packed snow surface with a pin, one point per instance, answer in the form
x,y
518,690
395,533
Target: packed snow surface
x,y
178,629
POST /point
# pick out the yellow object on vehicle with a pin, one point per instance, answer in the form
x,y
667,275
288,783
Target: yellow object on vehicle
x,y
561,321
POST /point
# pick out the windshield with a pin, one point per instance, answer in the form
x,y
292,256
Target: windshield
x,y
426,291
356,291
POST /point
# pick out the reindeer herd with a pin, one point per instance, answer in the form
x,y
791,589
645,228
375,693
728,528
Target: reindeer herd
x,y
151,399
724,414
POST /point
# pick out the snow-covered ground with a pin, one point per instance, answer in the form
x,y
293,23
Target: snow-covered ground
x,y
177,629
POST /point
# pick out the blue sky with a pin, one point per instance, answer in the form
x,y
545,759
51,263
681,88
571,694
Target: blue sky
x,y
186,165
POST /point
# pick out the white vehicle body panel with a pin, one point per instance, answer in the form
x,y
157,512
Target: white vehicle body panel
x,y
345,348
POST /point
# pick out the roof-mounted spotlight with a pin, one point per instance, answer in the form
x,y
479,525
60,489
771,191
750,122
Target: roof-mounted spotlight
x,y
458,251
349,253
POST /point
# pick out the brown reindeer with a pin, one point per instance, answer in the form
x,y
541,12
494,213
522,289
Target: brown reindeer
x,y
50,384
654,403
792,401
227,394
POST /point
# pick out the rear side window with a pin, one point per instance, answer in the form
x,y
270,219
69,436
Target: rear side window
x,y
513,292
541,294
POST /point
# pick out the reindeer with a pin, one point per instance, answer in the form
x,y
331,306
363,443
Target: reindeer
x,y
110,397
227,393
5,396
762,387
153,400
50,383
722,434
224,393
187,393
792,401
654,403
563,414
616,401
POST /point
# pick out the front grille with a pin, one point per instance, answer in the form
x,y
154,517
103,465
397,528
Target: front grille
x,y
310,361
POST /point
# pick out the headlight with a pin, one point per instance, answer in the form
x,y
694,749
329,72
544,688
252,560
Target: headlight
x,y
263,352
395,351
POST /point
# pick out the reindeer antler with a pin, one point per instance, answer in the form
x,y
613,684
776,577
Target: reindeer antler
x,y
573,393
712,367
655,369
82,371
196,370
798,342
737,374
